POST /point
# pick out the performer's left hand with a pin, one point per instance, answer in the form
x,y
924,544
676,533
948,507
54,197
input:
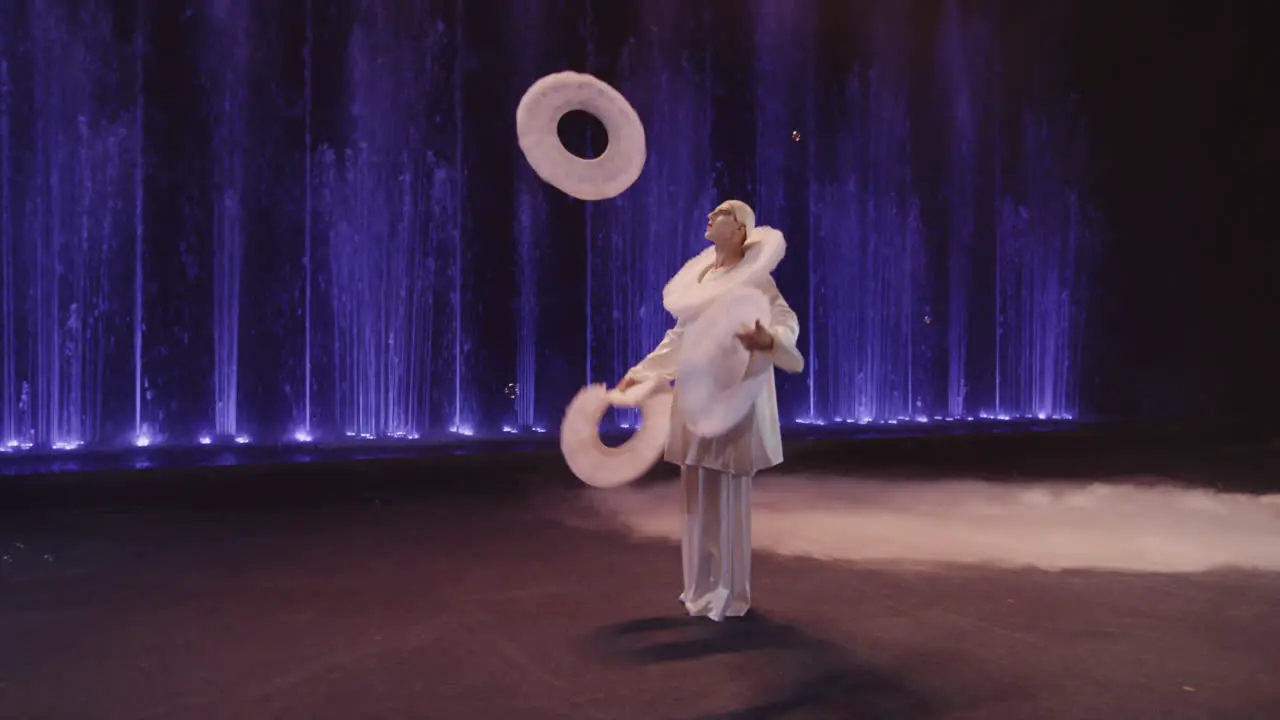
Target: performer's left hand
x,y
756,339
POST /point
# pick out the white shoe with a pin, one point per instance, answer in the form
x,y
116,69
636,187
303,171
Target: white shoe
x,y
715,605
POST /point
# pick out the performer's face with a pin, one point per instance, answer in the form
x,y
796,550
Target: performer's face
x,y
723,228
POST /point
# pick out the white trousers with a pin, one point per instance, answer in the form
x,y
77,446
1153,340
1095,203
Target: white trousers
x,y
716,543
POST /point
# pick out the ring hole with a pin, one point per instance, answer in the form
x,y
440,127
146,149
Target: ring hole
x,y
582,134
618,426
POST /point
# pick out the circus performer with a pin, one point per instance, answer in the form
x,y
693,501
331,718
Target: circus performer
x,y
718,465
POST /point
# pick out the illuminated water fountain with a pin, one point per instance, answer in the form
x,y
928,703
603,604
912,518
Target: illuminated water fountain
x,y
68,215
869,260
874,313
1043,234
229,26
390,206
961,43
530,231
966,306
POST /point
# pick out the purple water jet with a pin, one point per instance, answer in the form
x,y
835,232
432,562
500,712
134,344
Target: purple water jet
x,y
304,433
230,32
9,431
138,206
961,43
66,147
530,233
391,207
1042,230
879,321
462,420
868,276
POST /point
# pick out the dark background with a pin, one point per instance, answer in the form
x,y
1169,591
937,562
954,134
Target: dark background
x,y
1169,144
1181,158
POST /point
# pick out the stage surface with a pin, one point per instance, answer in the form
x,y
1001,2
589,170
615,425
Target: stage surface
x,y
928,578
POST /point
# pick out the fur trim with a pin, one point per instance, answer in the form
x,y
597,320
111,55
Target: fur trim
x,y
685,297
599,465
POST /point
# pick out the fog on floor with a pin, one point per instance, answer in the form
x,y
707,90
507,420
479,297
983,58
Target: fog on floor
x,y
1123,524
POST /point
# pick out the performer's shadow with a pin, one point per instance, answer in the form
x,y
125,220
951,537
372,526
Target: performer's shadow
x,y
823,678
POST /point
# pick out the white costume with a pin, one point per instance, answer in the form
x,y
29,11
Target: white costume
x,y
717,472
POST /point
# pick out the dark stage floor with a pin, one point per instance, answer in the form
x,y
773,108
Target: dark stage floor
x,y
480,586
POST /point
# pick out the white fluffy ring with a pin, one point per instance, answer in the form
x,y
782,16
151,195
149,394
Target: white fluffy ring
x,y
688,293
538,117
599,465
717,378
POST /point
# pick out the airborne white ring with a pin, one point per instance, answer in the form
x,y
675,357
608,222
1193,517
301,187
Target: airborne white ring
x,y
538,117
599,465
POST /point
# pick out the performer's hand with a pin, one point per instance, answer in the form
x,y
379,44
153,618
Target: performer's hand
x,y
626,384
756,339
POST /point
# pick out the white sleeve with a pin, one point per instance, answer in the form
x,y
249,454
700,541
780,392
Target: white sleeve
x,y
784,326
662,362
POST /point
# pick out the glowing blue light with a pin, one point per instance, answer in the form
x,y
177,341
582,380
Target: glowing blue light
x,y
391,220
386,209
67,152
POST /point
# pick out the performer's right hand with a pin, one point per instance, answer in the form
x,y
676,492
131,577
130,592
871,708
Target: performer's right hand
x,y
626,383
